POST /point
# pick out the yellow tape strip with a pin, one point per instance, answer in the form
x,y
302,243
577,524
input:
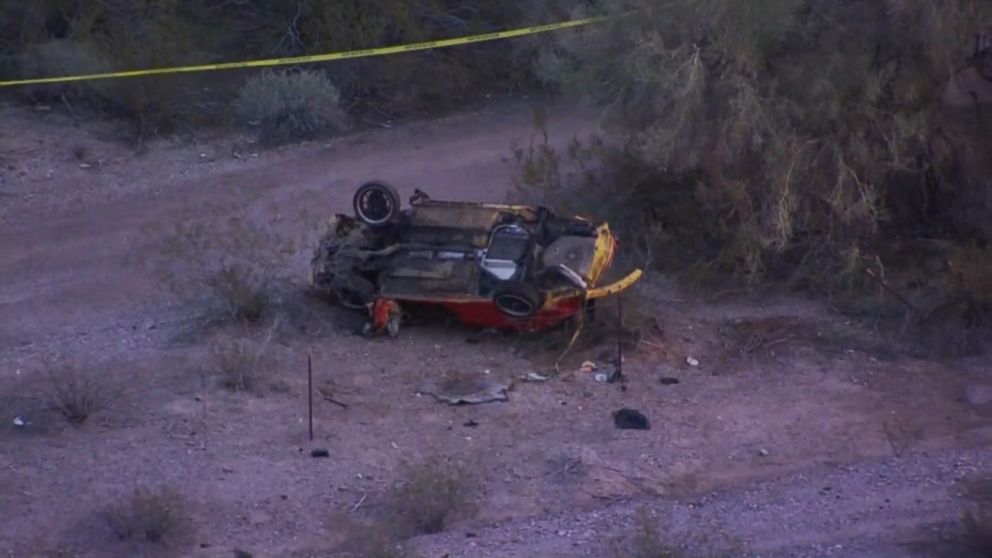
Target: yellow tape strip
x,y
316,57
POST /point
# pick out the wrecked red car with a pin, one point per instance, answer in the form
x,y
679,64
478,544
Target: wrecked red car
x,y
489,265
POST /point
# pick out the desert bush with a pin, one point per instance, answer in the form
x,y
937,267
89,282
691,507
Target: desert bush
x,y
61,57
783,139
241,363
64,38
430,494
291,105
149,514
78,394
235,268
127,34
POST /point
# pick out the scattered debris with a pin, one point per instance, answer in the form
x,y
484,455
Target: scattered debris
x,y
471,423
19,421
691,361
85,166
463,390
608,373
668,381
535,377
319,452
630,419
328,394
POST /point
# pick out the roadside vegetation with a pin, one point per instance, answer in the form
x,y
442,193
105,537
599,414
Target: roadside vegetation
x,y
818,144
834,147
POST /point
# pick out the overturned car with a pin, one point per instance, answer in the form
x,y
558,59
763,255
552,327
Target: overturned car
x,y
490,265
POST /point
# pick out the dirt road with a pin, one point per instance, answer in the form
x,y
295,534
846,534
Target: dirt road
x,y
800,434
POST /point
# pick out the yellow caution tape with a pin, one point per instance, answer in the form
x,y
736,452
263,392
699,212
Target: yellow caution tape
x,y
383,51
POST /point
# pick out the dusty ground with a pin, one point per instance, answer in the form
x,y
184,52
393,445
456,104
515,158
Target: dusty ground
x,y
800,434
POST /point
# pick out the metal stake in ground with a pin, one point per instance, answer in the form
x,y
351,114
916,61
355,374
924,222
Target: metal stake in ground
x,y
620,337
310,391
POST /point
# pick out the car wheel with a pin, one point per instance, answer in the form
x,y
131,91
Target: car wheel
x,y
517,300
353,292
376,203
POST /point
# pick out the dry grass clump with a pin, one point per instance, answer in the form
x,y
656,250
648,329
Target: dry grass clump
x,y
148,514
646,541
430,494
78,394
236,269
242,363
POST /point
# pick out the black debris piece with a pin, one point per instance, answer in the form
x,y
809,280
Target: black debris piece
x,y
630,419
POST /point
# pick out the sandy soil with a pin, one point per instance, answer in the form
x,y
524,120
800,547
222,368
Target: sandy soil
x,y
801,433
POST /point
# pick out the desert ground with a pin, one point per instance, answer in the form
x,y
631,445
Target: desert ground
x,y
801,432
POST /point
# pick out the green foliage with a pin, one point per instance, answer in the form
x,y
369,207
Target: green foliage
x,y
784,138
125,34
289,106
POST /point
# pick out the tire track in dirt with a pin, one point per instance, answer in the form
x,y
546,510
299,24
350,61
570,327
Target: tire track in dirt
x,y
73,270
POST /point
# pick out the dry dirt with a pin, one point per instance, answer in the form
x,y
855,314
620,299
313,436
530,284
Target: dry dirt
x,y
801,432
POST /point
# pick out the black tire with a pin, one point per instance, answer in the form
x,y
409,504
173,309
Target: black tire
x,y
517,300
353,291
376,203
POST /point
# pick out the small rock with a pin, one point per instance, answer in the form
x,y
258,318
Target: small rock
x,y
601,377
763,452
319,452
667,381
19,421
85,166
979,395
691,361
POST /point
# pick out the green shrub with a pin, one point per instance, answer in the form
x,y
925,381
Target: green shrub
x,y
290,105
793,140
